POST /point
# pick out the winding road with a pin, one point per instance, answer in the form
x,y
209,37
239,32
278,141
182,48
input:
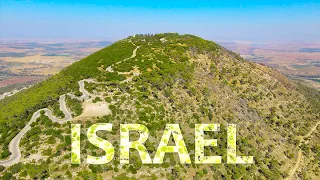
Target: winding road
x,y
14,144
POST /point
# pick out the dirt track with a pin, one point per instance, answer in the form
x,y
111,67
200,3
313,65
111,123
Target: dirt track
x,y
296,166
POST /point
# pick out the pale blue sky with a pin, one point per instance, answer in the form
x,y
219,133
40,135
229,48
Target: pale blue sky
x,y
257,20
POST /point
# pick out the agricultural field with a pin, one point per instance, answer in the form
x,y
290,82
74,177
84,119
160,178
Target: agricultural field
x,y
298,60
23,63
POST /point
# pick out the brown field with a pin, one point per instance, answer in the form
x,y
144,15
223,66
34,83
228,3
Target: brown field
x,y
291,58
44,59
41,64
300,60
18,79
297,63
26,62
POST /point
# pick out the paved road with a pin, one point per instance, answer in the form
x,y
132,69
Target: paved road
x,y
14,144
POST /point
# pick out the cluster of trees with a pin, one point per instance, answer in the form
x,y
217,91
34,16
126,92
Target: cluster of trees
x,y
164,66
56,110
75,105
32,171
17,110
97,99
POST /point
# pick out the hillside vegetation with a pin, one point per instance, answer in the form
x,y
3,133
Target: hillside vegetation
x,y
172,78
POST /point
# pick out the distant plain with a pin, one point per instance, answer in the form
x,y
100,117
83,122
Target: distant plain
x,y
298,60
23,63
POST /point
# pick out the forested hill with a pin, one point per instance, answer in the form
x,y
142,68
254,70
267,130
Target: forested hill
x,y
169,78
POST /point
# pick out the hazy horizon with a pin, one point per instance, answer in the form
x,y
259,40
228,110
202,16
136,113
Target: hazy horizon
x,y
113,20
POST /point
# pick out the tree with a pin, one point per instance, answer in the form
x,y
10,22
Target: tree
x,y
6,153
2,168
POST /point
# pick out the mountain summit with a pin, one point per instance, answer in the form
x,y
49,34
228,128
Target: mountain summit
x,y
156,80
